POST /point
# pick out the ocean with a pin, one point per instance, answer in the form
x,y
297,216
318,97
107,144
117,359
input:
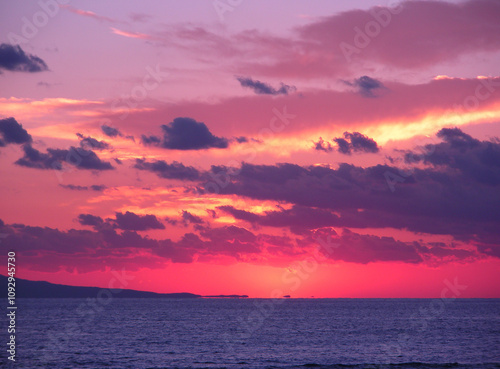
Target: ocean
x,y
256,333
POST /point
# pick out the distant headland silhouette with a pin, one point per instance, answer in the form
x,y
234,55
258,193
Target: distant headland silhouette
x,y
40,289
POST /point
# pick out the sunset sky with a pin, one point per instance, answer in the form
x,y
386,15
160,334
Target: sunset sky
x,y
326,148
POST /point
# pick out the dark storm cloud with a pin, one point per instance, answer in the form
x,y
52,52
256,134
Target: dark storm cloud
x,y
240,214
363,249
230,240
365,85
133,222
90,143
170,171
170,250
351,247
227,233
473,159
186,134
90,220
35,159
467,170
233,241
456,192
48,249
273,174
262,88
458,139
27,238
12,132
351,142
355,142
150,140
53,159
322,145
187,217
439,251
110,131
299,219
13,58
343,146
241,139
211,242
127,221
98,188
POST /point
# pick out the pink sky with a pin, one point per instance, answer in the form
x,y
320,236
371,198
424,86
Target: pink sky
x,y
211,151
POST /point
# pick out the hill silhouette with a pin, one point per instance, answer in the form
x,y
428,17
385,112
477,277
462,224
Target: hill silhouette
x,y
39,289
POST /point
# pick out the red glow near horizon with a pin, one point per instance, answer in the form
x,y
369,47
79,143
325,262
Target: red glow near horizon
x,y
341,280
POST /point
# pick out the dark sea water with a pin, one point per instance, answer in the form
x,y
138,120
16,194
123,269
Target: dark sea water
x,y
256,333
